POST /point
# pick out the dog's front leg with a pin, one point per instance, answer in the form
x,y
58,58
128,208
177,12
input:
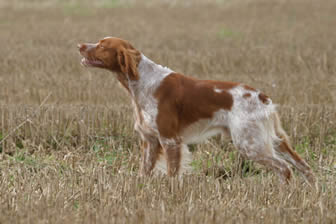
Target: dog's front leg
x,y
151,149
172,150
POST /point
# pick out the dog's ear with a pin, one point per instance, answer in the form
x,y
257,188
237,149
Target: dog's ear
x,y
128,60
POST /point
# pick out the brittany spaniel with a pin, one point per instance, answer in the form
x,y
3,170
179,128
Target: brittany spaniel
x,y
173,110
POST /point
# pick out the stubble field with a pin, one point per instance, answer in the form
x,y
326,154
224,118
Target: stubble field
x,y
68,150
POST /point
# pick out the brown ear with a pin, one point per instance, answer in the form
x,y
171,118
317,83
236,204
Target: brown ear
x,y
128,60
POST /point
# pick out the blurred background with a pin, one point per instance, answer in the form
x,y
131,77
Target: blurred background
x,y
68,149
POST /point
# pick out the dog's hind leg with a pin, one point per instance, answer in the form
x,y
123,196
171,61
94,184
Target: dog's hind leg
x,y
254,140
269,160
278,165
284,150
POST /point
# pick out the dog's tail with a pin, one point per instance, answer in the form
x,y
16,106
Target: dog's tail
x,y
284,150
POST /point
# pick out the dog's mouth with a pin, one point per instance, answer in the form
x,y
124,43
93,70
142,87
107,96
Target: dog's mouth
x,y
91,62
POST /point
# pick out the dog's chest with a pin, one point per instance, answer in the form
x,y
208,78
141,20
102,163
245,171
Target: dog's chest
x,y
145,116
142,90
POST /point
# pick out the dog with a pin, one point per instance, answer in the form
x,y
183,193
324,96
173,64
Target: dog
x,y
173,110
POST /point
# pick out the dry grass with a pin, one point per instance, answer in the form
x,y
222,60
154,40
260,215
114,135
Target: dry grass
x,y
75,158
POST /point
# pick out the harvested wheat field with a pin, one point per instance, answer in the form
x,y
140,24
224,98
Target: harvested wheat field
x,y
69,153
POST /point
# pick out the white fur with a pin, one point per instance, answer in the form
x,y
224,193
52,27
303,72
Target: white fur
x,y
150,77
218,90
250,123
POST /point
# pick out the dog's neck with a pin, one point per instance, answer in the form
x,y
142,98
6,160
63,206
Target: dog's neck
x,y
150,77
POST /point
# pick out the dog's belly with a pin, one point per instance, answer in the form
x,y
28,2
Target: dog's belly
x,y
206,128
201,131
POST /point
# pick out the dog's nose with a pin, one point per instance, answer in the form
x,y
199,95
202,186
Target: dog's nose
x,y
81,47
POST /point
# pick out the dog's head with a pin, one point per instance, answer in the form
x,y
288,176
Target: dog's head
x,y
113,54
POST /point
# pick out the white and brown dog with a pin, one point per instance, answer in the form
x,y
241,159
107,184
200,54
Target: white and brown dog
x,y
173,110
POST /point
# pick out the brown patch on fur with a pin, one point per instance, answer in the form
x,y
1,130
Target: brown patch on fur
x,y
183,100
287,174
247,95
249,88
128,60
263,98
286,148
